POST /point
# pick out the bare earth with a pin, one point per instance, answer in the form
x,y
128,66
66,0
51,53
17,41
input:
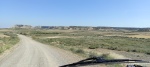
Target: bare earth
x,y
2,35
30,53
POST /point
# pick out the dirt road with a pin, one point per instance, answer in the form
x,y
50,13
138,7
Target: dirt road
x,y
30,53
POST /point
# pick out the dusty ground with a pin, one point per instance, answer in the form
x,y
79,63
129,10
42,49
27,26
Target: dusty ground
x,y
30,53
2,35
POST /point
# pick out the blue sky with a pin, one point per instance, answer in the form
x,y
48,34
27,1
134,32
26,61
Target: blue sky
x,y
120,13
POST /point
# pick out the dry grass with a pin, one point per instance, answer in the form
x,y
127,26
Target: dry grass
x,y
5,30
2,35
2,32
1,43
60,30
65,37
106,51
145,35
140,36
7,41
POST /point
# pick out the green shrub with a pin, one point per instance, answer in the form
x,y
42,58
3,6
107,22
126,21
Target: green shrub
x,y
106,56
79,51
112,48
72,49
148,52
93,46
134,50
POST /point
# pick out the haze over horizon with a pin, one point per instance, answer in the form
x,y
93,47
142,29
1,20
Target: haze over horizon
x,y
113,13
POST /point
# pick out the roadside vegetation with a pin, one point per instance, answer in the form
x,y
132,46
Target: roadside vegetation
x,y
78,41
7,40
93,40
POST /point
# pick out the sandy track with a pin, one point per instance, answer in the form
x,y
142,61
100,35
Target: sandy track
x,y
30,53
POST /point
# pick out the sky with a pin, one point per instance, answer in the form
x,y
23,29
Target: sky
x,y
114,13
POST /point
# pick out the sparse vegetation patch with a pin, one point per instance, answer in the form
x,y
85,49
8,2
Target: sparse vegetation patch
x,y
8,42
93,40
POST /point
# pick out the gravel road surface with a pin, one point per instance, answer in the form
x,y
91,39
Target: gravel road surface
x,y
30,53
